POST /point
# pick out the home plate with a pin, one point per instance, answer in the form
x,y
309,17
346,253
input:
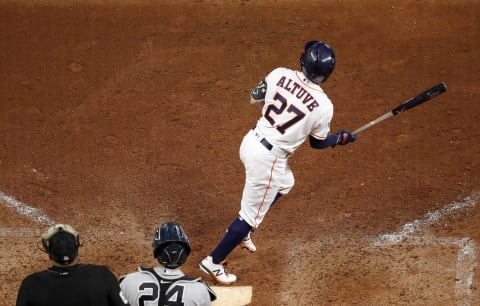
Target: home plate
x,y
232,296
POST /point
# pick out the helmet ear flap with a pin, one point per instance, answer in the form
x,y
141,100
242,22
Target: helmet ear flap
x,y
302,60
308,45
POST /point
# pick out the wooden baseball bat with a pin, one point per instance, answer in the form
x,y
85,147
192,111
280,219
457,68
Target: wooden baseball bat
x,y
410,103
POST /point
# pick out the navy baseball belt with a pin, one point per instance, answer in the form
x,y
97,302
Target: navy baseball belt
x,y
275,150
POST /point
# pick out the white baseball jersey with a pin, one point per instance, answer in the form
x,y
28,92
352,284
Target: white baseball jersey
x,y
294,109
143,288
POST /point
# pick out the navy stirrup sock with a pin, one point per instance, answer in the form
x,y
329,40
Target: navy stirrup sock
x,y
235,234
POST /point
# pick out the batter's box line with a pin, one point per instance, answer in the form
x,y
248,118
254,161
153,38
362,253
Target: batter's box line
x,y
32,213
466,258
428,219
466,262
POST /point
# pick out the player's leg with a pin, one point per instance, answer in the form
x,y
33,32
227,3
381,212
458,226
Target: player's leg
x,y
238,229
214,264
287,182
263,179
263,172
264,176
235,233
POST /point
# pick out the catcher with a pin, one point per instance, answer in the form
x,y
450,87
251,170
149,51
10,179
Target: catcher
x,y
167,285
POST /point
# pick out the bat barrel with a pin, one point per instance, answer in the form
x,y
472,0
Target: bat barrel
x,y
415,101
420,98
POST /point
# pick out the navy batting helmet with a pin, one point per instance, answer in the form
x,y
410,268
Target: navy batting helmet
x,y
171,246
317,61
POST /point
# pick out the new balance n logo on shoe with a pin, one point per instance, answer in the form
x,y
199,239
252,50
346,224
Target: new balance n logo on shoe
x,y
217,271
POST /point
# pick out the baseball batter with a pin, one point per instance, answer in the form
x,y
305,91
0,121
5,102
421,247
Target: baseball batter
x,y
294,107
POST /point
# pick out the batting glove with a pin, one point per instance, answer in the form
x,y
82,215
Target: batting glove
x,y
345,137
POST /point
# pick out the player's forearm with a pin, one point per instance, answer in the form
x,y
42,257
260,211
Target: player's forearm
x,y
341,137
330,141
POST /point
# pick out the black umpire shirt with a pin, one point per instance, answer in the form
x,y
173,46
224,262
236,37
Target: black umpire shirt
x,y
78,285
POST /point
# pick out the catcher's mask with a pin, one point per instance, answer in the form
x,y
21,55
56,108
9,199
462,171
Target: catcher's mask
x,y
317,61
171,246
61,242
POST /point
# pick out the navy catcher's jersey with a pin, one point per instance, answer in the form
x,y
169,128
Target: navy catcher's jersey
x,y
79,285
151,286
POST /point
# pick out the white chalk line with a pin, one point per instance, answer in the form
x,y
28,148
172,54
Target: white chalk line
x,y
429,219
466,263
466,258
33,213
18,232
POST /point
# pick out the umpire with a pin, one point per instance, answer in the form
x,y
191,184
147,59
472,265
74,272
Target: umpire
x,y
68,282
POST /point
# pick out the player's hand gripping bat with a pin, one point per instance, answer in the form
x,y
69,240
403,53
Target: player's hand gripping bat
x,y
411,103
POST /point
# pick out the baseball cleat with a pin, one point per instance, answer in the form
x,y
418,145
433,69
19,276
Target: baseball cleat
x,y
217,271
247,243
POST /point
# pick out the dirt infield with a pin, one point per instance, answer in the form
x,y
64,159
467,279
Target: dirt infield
x,y
116,116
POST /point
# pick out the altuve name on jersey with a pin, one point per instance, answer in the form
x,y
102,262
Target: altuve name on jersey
x,y
299,92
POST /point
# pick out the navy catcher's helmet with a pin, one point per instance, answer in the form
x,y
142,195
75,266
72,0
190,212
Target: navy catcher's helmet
x,y
171,246
317,61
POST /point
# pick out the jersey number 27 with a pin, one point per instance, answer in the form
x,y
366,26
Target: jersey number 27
x,y
279,110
